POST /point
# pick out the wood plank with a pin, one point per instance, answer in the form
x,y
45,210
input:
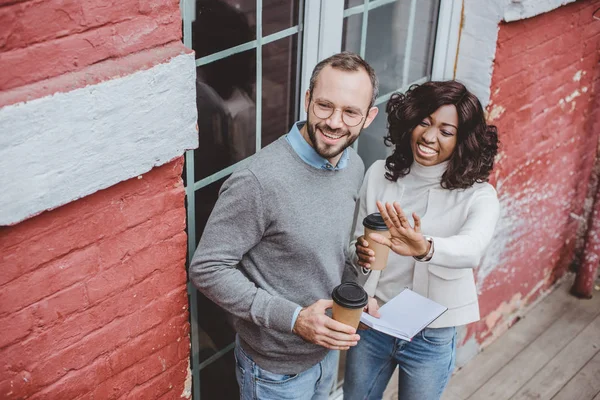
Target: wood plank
x,y
548,381
391,391
481,368
518,371
448,395
585,385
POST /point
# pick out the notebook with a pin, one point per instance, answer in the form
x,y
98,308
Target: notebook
x,y
405,315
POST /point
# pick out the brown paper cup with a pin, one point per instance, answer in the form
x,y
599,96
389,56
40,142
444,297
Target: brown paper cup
x,y
349,299
348,316
381,251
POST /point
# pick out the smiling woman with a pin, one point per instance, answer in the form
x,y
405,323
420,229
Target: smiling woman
x,y
437,114
441,143
434,139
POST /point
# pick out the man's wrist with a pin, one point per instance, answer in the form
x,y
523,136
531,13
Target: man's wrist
x,y
295,317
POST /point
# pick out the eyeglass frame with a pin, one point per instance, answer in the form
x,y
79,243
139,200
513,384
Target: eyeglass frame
x,y
362,117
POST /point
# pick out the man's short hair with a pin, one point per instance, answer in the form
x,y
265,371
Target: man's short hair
x,y
346,61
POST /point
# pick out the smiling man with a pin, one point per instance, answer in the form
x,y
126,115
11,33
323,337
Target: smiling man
x,y
274,245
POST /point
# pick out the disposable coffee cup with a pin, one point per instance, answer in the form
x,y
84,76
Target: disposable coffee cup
x,y
349,299
373,223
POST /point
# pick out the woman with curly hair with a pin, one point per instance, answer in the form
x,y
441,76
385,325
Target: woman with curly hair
x,y
441,213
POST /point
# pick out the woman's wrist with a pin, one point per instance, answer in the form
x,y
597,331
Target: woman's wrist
x,y
426,256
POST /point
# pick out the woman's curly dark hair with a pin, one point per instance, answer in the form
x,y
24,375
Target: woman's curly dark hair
x,y
477,142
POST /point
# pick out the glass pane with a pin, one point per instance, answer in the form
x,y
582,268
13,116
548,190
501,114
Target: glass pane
x,y
370,142
225,97
280,71
206,198
220,25
387,34
386,43
352,3
279,15
217,381
421,56
351,33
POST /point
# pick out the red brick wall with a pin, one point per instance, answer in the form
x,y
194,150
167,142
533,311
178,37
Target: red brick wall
x,y
92,295
59,45
546,105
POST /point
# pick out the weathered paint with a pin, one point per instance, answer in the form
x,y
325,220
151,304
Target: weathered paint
x,y
93,299
479,36
521,9
63,147
545,103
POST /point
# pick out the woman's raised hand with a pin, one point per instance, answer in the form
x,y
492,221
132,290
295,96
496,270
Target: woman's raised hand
x,y
405,239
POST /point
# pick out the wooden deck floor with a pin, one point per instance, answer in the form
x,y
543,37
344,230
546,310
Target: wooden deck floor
x,y
553,352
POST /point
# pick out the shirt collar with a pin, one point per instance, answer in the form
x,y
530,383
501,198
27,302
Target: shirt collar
x,y
308,154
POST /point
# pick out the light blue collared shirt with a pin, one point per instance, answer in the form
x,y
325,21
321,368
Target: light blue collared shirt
x,y
310,156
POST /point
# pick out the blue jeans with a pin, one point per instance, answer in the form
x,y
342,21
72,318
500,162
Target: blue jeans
x,y
257,383
425,364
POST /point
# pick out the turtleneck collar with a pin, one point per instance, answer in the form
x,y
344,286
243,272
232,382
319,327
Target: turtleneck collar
x,y
431,173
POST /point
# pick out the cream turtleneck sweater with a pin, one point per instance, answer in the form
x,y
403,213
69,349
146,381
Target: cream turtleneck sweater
x,y
414,196
461,222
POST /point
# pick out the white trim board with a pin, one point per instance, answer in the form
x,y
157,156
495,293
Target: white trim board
x,y
59,148
479,37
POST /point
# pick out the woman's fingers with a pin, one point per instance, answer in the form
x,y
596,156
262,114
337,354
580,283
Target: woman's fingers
x,y
395,218
400,215
384,214
417,223
377,238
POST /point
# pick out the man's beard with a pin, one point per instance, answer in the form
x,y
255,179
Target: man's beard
x,y
329,151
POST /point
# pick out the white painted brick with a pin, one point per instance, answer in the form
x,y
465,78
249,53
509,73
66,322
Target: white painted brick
x,y
521,9
56,149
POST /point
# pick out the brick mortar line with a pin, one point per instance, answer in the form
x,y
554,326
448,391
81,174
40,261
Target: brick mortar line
x,y
12,3
79,248
143,47
162,11
539,155
497,83
154,378
104,208
64,35
74,34
2,316
71,345
141,60
113,371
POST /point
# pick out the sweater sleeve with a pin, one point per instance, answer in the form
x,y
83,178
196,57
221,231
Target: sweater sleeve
x,y
466,248
236,224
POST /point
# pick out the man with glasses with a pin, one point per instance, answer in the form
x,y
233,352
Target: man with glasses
x,y
274,246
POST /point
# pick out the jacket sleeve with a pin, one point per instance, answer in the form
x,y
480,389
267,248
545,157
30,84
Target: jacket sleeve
x,y
466,248
360,213
236,224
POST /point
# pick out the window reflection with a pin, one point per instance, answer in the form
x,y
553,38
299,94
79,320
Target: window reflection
x,y
386,50
279,107
225,89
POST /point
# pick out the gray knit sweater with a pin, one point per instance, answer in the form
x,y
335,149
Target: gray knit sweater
x,y
276,240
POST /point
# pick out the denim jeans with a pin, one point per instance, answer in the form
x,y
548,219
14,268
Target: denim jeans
x,y
257,383
425,364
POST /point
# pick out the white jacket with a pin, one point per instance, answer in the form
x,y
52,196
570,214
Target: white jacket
x,y
461,222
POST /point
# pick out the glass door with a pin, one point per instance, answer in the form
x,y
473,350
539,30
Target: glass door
x,y
247,82
254,59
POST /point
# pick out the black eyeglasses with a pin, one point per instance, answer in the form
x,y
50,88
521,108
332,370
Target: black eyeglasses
x,y
324,110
